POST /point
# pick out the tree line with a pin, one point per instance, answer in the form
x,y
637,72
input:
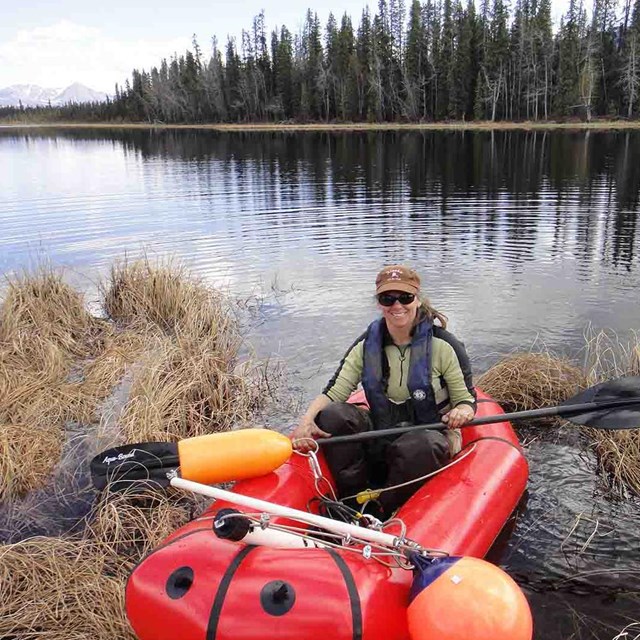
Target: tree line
x,y
440,60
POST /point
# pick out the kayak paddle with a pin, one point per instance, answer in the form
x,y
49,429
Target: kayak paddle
x,y
245,453
613,405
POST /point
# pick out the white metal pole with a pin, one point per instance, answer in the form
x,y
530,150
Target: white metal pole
x,y
335,526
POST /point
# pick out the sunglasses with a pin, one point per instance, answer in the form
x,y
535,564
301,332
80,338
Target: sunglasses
x,y
389,299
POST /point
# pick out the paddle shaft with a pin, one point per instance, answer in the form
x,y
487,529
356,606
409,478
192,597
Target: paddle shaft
x,y
560,410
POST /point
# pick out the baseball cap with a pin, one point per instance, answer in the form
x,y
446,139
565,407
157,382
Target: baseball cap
x,y
397,278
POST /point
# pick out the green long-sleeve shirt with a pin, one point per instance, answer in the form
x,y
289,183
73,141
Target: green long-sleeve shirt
x,y
447,377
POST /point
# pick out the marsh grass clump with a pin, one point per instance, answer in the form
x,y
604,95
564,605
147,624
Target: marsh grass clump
x,y
608,356
164,366
43,305
28,453
98,376
184,388
167,296
61,589
524,381
189,380
131,523
44,330
618,455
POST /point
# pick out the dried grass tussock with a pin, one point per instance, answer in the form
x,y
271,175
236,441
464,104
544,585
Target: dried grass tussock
x,y
167,296
188,381
608,356
178,342
27,455
70,588
44,330
42,305
61,589
524,381
183,389
132,523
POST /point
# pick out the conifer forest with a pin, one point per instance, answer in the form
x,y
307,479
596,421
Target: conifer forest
x,y
437,60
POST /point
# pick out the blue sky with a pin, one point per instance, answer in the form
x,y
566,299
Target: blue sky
x,y
53,44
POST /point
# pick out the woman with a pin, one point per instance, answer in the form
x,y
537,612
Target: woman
x,y
412,371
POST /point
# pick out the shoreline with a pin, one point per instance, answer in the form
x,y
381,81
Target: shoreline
x,y
605,125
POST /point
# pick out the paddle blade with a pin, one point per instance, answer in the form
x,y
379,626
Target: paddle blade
x,y
232,455
616,404
152,462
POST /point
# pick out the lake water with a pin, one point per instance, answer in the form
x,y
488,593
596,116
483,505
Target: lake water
x,y
520,237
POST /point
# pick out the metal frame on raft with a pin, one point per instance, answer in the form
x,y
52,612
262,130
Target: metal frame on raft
x,y
349,533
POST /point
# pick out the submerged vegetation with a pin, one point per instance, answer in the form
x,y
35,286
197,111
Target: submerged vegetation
x,y
162,364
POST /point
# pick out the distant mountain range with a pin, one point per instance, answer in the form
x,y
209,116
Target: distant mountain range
x,y
31,95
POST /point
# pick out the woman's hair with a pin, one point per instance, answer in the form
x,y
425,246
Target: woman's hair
x,y
431,313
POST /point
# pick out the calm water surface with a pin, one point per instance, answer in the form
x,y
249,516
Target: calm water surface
x,y
520,237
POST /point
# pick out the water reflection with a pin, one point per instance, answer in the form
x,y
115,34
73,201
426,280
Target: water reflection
x,y
506,192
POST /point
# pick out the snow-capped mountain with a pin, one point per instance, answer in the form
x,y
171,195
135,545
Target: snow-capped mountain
x,y
31,95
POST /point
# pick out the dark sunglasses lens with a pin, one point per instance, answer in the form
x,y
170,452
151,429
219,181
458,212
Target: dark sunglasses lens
x,y
389,299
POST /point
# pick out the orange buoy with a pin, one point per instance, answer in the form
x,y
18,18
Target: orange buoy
x,y
232,455
461,598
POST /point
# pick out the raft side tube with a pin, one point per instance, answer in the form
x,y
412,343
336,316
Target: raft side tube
x,y
463,509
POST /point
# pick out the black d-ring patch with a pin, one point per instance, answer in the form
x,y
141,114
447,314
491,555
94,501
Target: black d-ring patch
x,y
277,597
179,582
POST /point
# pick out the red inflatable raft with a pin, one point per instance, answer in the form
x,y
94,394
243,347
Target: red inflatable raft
x,y
197,586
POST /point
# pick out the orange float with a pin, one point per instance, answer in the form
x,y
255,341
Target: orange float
x,y
233,455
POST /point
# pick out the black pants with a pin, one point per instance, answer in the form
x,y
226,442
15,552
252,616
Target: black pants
x,y
382,462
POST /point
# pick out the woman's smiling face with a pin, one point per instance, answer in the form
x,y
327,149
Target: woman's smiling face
x,y
399,316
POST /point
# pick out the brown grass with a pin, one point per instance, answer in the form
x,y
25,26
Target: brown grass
x,y
167,296
188,382
73,587
43,305
608,356
27,456
132,523
44,328
179,341
524,381
184,388
61,589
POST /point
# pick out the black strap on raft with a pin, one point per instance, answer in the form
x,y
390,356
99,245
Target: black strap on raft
x,y
221,594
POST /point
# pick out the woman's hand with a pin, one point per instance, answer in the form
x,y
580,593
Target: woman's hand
x,y
458,416
307,428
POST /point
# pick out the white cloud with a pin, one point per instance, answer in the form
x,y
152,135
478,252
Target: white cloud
x,y
66,52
